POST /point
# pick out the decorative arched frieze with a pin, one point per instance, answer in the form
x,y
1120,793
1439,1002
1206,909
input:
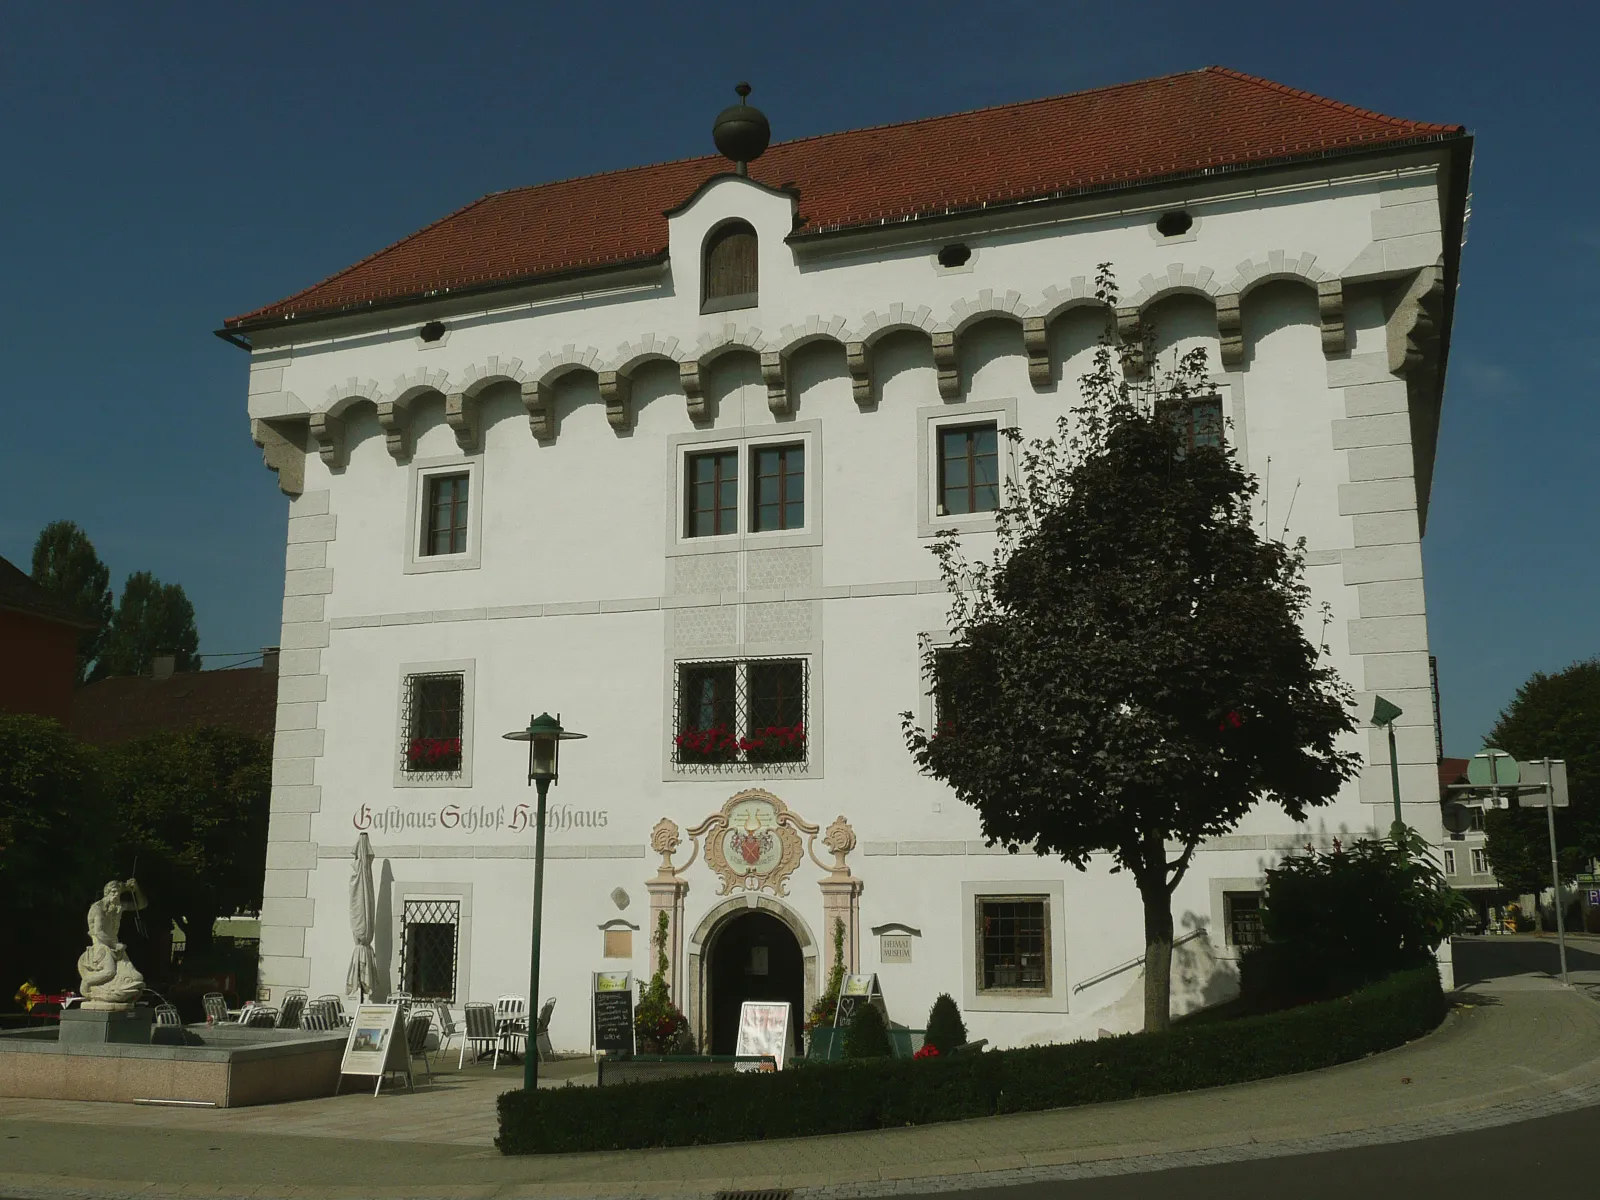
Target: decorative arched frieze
x,y
963,315
1036,325
1196,281
538,394
327,427
712,346
327,431
1279,264
775,361
283,449
650,348
394,411
351,391
875,326
461,406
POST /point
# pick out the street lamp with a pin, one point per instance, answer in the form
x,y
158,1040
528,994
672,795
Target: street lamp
x,y
544,736
1383,714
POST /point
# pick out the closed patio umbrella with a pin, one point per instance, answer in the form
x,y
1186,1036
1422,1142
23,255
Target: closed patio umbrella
x,y
363,963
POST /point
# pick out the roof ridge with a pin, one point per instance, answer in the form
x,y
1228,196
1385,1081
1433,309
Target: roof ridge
x,y
1339,105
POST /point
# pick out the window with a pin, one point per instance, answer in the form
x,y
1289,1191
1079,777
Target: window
x,y
969,469
741,715
433,725
711,494
730,275
1449,862
1244,919
446,529
428,930
1475,819
1013,950
1480,862
1200,423
946,706
777,488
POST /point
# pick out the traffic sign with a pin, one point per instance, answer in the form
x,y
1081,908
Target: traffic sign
x,y
1492,768
1534,773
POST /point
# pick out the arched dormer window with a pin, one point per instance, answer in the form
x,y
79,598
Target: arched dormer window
x,y
729,277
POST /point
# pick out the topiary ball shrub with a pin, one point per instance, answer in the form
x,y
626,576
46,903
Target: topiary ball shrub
x,y
867,1036
946,1029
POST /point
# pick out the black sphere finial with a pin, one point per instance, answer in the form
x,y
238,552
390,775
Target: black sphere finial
x,y
741,131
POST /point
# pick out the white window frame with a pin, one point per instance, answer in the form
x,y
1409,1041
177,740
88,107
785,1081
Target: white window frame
x,y
1054,998
467,669
1481,856
412,892
422,470
744,439
809,652
1003,412
1449,862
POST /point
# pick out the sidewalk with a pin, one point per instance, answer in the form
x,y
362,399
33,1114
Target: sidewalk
x,y
1519,1047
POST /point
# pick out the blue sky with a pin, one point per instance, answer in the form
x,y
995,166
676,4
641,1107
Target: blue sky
x,y
169,165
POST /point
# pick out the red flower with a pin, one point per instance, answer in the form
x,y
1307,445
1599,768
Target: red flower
x,y
927,1051
1231,721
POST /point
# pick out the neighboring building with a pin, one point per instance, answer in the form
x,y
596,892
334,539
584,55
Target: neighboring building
x,y
1464,854
663,450
128,706
38,648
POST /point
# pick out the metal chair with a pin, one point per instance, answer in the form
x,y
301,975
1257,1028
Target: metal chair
x,y
294,1004
417,1026
317,1017
403,999
482,1034
216,1006
511,1015
446,1023
167,1014
541,1032
259,1016
336,1008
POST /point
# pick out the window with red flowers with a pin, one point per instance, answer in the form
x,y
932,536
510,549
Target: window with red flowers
x,y
432,742
741,714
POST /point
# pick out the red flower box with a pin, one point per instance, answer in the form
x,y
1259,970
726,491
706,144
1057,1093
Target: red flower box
x,y
433,754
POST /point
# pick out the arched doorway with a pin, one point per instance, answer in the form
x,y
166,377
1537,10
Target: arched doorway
x,y
753,956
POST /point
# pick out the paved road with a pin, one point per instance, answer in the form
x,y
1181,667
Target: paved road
x,y
1551,1156
1498,956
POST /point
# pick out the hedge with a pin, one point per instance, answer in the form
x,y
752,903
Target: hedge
x,y
877,1094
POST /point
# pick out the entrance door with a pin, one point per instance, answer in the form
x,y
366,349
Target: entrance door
x,y
755,957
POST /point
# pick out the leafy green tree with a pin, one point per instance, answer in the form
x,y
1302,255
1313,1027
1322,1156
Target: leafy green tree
x,y
1130,671
66,566
193,813
55,850
1552,716
151,618
867,1036
946,1030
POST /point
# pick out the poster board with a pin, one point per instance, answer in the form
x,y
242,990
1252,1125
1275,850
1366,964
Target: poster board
x,y
613,1011
376,1044
763,1029
854,991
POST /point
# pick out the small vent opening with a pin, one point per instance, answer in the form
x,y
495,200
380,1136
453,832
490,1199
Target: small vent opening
x,y
956,254
432,331
1175,223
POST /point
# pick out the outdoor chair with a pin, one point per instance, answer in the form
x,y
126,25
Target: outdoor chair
x,y
259,1016
541,1032
167,1014
216,1006
511,1015
447,1025
317,1017
417,1026
336,1008
294,1004
403,999
482,1034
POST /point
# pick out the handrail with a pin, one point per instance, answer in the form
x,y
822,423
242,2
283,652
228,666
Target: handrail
x,y
1131,963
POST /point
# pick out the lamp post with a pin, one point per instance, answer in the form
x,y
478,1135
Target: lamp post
x,y
1383,714
544,736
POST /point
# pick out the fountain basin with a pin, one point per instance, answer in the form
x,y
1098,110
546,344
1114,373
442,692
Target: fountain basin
x,y
221,1066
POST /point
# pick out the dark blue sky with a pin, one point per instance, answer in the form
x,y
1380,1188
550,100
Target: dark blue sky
x,y
169,165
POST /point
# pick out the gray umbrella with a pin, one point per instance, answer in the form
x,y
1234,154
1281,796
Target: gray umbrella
x,y
363,963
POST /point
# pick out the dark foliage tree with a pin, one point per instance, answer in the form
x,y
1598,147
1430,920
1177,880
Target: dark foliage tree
x,y
55,850
193,813
151,618
1552,716
867,1036
1131,671
66,565
946,1030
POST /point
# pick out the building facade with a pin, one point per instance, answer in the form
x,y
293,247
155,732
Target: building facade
x,y
39,638
664,451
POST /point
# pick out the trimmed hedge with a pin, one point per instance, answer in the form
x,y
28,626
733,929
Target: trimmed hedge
x,y
848,1097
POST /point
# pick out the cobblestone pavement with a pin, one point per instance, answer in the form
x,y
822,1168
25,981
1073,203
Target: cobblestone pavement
x,y
1517,1048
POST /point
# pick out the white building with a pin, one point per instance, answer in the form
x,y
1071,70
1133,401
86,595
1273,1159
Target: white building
x,y
665,448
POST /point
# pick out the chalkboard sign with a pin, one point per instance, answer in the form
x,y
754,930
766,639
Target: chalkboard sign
x,y
854,991
613,1011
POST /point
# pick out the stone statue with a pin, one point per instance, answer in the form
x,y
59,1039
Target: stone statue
x,y
108,980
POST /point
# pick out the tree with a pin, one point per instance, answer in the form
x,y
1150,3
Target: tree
x,y
55,849
66,566
151,618
193,813
1130,670
1551,716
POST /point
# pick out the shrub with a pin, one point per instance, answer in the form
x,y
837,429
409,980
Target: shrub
x,y
946,1029
825,1009
867,1036
658,1025
880,1094
1336,921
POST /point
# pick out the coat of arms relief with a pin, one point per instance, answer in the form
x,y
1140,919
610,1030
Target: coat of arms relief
x,y
754,843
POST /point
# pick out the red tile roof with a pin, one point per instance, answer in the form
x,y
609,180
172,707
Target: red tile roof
x,y
1122,136
128,706
19,593
1452,770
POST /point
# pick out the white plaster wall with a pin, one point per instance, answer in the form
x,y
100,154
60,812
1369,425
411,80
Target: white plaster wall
x,y
581,522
